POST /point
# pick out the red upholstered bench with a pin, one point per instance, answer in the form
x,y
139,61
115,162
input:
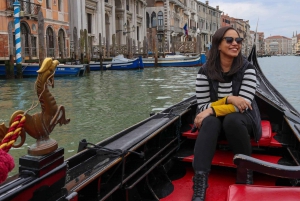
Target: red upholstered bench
x,y
266,140
240,192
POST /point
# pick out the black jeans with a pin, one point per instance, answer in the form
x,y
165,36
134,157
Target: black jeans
x,y
236,127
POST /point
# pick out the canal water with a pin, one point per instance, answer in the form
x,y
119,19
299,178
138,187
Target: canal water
x,y
104,103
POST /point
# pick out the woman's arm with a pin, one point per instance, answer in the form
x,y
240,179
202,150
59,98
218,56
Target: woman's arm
x,y
247,90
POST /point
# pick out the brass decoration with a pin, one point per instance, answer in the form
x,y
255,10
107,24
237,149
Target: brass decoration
x,y
40,125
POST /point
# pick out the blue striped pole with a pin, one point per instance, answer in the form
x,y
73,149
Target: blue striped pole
x,y
17,7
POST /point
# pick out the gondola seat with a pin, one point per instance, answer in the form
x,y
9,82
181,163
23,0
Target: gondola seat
x,y
238,192
266,140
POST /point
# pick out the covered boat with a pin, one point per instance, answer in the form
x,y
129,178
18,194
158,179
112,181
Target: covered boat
x,y
152,160
175,61
118,63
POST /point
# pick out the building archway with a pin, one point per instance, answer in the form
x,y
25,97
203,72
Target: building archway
x,y
61,43
25,36
153,20
50,42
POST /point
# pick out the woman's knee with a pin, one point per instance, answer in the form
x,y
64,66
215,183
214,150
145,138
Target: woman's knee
x,y
211,122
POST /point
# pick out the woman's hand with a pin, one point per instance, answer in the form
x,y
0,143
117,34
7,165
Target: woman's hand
x,y
201,116
239,102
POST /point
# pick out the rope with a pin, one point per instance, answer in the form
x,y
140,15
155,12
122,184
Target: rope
x,y
13,133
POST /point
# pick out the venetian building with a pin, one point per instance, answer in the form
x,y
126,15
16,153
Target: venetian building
x,y
124,18
166,19
296,43
258,40
209,20
278,45
56,26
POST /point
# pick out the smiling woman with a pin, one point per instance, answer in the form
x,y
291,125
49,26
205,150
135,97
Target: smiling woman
x,y
225,89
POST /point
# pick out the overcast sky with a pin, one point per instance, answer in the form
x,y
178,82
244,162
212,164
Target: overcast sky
x,y
275,17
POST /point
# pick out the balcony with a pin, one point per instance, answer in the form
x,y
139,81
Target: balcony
x,y
160,28
28,9
178,3
176,29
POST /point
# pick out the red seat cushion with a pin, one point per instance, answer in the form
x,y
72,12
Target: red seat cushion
x,y
240,192
267,138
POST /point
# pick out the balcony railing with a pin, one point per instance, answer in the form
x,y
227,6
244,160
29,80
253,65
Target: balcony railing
x,y
160,28
178,3
28,8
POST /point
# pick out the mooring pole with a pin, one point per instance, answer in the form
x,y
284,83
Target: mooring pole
x,y
17,8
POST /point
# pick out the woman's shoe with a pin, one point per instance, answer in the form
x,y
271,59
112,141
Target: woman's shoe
x,y
200,185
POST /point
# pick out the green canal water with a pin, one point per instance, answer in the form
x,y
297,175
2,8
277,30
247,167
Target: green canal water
x,y
102,104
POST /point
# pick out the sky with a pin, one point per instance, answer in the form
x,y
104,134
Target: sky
x,y
274,17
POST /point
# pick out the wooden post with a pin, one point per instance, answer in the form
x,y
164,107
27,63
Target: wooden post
x,y
100,51
104,47
155,50
133,49
81,45
114,45
173,44
86,45
41,33
107,47
9,72
145,46
139,47
163,46
199,44
75,39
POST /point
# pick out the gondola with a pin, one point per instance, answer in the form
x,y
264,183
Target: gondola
x,y
118,63
175,61
152,160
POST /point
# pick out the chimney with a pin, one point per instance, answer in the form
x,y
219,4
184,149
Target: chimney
x,y
217,7
206,2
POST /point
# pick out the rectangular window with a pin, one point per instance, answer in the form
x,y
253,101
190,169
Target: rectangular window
x,y
59,5
33,46
106,1
137,33
48,4
137,7
89,23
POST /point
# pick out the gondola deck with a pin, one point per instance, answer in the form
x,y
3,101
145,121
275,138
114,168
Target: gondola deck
x,y
219,179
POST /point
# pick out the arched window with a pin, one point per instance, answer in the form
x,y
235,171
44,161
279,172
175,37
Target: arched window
x,y
61,43
25,36
153,19
50,42
160,19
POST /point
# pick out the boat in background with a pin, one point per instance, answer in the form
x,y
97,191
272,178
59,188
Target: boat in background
x,y
152,160
118,63
62,70
176,61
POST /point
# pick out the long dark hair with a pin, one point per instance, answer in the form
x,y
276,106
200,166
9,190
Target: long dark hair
x,y
213,64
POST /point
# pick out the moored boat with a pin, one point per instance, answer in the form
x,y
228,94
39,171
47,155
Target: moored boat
x,y
175,61
151,160
118,63
30,70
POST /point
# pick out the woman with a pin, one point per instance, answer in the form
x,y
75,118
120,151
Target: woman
x,y
225,89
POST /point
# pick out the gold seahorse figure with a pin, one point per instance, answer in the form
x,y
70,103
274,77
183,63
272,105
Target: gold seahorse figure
x,y
40,125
